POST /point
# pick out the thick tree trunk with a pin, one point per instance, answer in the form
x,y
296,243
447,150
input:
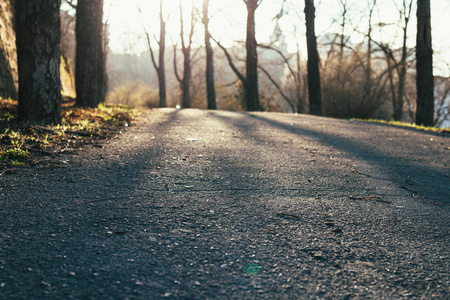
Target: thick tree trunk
x,y
38,29
314,86
89,75
424,58
251,84
210,89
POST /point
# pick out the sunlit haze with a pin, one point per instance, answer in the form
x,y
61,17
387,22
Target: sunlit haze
x,y
228,20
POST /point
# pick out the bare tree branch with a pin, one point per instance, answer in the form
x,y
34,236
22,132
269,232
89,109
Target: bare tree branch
x,y
148,40
285,97
175,64
285,59
230,62
183,44
71,3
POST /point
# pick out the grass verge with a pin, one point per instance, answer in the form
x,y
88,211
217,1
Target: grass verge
x,y
409,125
23,143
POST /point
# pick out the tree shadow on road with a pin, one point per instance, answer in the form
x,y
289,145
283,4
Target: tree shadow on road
x,y
427,182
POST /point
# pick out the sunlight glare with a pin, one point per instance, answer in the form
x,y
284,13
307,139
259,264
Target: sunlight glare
x,y
228,23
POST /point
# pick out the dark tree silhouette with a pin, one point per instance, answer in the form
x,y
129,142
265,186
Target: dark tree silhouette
x,y
185,82
160,66
250,80
89,70
400,67
38,30
424,62
398,101
251,89
368,84
314,86
210,89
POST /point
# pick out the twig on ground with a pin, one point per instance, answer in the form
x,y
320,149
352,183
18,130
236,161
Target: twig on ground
x,y
287,215
373,197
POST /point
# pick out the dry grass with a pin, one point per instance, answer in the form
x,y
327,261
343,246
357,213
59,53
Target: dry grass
x,y
409,125
23,143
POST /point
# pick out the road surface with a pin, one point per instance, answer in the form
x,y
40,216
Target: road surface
x,y
191,204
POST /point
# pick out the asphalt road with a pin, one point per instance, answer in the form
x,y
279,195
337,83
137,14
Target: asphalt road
x,y
190,204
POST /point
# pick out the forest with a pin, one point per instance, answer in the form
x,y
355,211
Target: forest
x,y
386,74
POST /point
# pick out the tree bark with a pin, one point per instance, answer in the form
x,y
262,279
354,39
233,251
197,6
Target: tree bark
x,y
342,43
314,85
398,105
161,70
250,80
89,71
187,78
210,89
424,62
368,84
251,84
185,82
160,66
38,30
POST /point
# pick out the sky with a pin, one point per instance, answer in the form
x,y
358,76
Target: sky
x,y
228,23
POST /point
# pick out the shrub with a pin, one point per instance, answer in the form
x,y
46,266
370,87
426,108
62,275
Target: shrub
x,y
135,94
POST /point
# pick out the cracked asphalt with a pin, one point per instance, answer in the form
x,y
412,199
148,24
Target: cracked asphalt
x,y
192,204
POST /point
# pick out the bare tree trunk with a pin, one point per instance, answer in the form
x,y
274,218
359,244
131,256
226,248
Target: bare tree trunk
x,y
424,58
105,47
299,83
187,76
251,84
250,80
38,30
89,71
160,66
210,89
368,82
344,22
398,101
161,69
185,82
314,86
